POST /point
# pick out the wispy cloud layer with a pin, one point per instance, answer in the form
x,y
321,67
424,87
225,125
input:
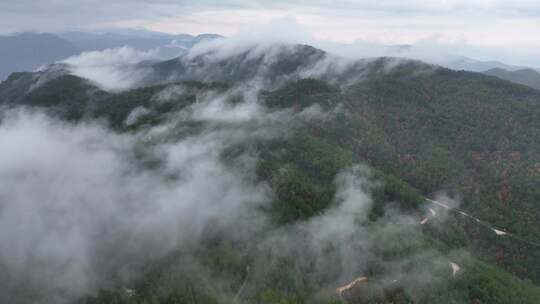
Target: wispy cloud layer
x,y
503,30
112,69
83,203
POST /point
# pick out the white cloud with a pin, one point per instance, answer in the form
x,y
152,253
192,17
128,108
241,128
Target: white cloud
x,y
135,115
112,69
74,200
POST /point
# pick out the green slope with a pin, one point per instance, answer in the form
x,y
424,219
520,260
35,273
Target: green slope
x,y
455,131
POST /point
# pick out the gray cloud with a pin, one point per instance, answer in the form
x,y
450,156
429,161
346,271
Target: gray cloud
x,y
59,15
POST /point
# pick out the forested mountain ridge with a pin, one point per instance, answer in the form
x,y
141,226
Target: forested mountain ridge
x,y
272,66
265,66
422,129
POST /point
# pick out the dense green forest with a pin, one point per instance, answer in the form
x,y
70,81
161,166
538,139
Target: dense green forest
x,y
457,131
409,134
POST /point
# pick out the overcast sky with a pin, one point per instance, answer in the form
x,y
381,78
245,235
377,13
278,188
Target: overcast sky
x,y
506,25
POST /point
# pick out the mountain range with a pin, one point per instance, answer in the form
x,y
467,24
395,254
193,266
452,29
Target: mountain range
x,y
28,51
301,118
527,77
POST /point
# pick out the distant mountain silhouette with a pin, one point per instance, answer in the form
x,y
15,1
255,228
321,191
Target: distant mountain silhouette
x,y
528,77
28,51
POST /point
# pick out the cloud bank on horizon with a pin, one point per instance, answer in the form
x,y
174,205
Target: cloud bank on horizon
x,y
485,29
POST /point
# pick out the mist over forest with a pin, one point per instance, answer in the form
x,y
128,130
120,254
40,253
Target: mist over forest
x,y
270,165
